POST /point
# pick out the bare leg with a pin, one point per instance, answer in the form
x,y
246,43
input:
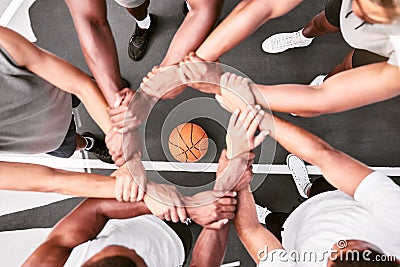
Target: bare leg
x,y
80,142
345,65
194,29
319,26
140,12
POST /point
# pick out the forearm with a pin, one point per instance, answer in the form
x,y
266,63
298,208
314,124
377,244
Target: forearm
x,y
253,236
31,177
97,45
192,32
343,91
210,247
339,169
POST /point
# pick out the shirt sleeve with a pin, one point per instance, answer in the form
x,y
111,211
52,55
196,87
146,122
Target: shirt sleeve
x,y
276,258
394,57
381,196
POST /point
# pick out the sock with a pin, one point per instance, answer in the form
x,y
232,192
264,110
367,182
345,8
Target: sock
x,y
144,24
188,6
89,142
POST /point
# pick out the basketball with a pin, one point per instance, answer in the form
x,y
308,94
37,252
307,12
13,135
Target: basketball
x,y
188,142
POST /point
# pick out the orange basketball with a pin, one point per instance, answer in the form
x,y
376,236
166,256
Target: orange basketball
x,y
188,142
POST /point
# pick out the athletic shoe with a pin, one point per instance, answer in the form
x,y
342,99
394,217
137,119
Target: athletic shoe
x,y
262,213
139,40
299,174
185,9
97,147
318,80
283,41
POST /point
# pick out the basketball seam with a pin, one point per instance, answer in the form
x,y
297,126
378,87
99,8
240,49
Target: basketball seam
x,y
188,148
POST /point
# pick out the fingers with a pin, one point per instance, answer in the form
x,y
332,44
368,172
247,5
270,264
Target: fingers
x,y
130,189
260,138
234,118
182,214
174,214
227,201
119,185
224,79
255,122
141,193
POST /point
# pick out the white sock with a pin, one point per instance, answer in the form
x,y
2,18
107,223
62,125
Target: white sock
x,y
89,142
188,6
144,24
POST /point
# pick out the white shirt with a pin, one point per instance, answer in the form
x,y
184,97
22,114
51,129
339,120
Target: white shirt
x,y
318,223
151,238
381,39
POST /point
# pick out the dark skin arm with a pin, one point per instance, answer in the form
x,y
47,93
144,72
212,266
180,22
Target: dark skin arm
x,y
84,223
98,46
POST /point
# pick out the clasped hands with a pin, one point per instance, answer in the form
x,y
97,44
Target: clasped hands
x,y
233,93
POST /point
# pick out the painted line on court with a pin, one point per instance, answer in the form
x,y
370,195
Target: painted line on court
x,y
62,163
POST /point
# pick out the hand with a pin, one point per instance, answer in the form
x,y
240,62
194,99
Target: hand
x,y
211,209
241,129
129,142
128,188
165,202
246,178
236,92
201,75
164,83
121,105
132,111
234,174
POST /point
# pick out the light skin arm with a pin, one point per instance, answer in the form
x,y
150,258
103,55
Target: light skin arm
x,y
57,72
339,169
32,177
246,18
82,224
335,165
98,46
193,30
343,91
253,236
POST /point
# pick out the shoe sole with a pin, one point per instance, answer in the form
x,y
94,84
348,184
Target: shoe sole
x,y
296,166
154,19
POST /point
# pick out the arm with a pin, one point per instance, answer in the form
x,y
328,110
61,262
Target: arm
x,y
343,91
210,247
247,17
31,177
82,224
339,169
58,72
253,236
98,46
193,30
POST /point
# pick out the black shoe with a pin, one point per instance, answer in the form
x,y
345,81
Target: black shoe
x,y
125,82
139,40
99,148
185,9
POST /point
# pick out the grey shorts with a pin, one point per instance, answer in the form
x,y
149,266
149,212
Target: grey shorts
x,y
130,3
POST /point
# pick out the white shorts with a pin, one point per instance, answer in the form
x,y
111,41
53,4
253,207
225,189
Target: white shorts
x,y
130,3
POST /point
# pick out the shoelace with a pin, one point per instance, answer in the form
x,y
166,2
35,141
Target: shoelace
x,y
288,40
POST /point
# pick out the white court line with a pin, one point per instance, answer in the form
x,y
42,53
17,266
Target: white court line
x,y
10,11
62,163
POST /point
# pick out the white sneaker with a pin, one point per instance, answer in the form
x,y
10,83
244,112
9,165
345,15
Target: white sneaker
x,y
262,212
283,41
318,80
299,173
